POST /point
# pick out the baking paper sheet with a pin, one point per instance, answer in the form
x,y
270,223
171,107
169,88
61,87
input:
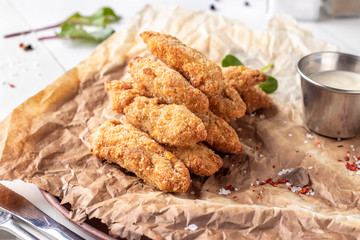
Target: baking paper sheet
x,y
45,141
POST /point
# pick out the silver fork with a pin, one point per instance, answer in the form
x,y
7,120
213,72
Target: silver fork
x,y
8,224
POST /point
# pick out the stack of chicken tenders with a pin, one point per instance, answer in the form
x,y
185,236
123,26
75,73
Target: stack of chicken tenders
x,y
177,113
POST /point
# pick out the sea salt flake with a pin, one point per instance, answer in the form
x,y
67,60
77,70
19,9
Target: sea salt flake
x,y
253,114
192,192
191,227
310,167
290,134
251,184
285,170
285,122
309,136
257,182
305,141
236,189
338,139
223,191
351,173
261,155
262,116
288,184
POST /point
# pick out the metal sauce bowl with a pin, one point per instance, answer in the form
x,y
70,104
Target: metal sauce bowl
x,y
330,111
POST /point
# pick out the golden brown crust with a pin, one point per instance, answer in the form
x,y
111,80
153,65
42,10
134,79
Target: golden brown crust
x,y
200,71
135,151
255,98
169,86
198,158
228,105
220,135
172,124
121,94
242,78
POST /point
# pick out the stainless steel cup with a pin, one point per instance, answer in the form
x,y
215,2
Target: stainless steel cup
x,y
330,111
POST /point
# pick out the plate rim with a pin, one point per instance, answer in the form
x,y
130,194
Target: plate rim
x,y
87,228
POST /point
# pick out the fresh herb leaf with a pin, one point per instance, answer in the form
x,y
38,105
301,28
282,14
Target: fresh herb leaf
x,y
100,18
230,60
69,30
270,85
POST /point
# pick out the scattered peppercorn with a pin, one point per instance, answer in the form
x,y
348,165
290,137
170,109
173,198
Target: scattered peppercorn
x,y
246,3
212,7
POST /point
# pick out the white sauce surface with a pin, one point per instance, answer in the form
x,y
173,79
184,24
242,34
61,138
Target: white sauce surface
x,y
338,79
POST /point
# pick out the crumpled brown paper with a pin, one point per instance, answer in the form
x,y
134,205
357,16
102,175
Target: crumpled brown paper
x,y
45,141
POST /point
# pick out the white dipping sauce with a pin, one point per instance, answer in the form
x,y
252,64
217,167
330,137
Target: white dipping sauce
x,y
338,79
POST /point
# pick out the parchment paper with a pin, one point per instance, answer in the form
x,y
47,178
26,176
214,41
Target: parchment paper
x,y
45,141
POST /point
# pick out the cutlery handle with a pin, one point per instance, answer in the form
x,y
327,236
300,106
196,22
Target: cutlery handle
x,y
12,227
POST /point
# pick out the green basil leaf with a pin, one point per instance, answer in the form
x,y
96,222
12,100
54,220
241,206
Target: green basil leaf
x,y
72,31
270,85
230,60
100,18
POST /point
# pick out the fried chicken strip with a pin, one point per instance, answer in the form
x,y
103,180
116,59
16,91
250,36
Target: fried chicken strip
x,y
242,78
198,158
255,98
228,105
245,81
171,124
135,151
121,93
198,69
169,86
220,135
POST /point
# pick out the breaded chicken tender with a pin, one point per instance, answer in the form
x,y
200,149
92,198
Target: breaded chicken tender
x,y
121,93
169,86
198,158
172,124
245,81
255,98
135,151
228,105
198,69
220,135
242,78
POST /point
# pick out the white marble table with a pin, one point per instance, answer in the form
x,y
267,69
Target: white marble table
x,y
22,74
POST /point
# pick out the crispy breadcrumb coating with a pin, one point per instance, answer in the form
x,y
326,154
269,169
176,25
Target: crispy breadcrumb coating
x,y
220,135
121,93
196,67
228,105
242,78
173,125
135,151
255,98
245,81
198,158
169,86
